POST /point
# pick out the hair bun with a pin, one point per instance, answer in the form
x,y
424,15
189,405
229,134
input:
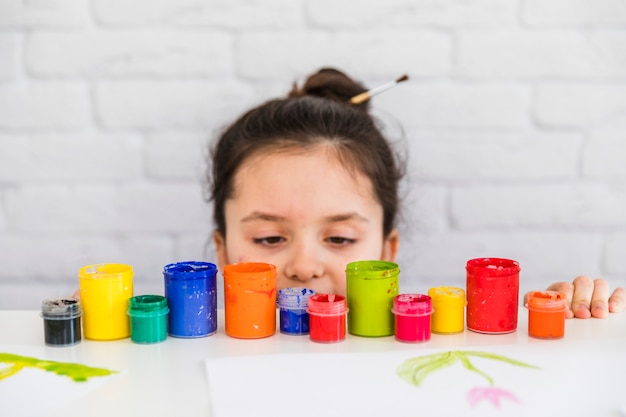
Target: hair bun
x,y
331,84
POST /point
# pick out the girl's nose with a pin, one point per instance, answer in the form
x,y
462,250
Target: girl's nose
x,y
305,264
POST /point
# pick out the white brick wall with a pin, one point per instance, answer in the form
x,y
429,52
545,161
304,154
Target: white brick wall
x,y
514,121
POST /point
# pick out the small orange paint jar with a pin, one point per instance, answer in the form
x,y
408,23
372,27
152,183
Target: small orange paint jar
x,y
546,314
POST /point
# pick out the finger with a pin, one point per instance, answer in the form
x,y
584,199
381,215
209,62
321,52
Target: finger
x,y
581,299
600,299
76,294
617,302
566,288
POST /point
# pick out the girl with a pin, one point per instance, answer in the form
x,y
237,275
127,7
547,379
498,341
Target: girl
x,y
309,183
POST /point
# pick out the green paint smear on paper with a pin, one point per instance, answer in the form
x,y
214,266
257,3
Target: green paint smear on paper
x,y
415,370
78,372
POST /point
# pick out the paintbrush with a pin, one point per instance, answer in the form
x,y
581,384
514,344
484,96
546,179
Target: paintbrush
x,y
360,98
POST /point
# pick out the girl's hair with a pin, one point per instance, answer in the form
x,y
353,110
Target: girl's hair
x,y
318,113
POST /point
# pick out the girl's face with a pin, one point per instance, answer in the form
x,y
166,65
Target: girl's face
x,y
307,215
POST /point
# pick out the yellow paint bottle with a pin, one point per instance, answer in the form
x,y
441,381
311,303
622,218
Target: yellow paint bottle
x,y
105,290
449,308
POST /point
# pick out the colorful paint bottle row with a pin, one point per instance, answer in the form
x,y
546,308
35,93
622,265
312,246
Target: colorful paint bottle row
x,y
372,306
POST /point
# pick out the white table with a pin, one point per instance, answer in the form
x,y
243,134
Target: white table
x,y
169,378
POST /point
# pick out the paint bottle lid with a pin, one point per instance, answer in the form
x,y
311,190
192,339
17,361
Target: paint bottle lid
x,y
250,270
546,301
294,297
447,297
147,305
372,269
327,305
412,305
60,308
106,271
492,267
189,270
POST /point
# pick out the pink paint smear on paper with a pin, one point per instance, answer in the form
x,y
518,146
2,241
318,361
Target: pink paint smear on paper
x,y
491,394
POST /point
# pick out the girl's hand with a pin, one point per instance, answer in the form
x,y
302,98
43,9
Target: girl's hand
x,y
591,298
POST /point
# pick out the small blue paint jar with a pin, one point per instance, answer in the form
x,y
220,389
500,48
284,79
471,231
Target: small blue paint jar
x,y
190,289
293,303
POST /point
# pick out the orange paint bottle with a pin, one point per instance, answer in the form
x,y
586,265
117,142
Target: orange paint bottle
x,y
546,314
250,300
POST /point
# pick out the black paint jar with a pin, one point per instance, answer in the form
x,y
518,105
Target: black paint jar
x,y
61,321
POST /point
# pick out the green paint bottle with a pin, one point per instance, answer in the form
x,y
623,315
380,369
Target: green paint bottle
x,y
370,288
148,318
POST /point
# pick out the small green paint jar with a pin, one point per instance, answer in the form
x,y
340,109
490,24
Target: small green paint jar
x,y
148,318
370,288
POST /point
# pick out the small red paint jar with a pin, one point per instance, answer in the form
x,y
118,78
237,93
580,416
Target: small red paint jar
x,y
492,295
546,314
412,317
327,318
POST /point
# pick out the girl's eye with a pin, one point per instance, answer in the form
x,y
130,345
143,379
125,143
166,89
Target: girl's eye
x,y
269,241
340,241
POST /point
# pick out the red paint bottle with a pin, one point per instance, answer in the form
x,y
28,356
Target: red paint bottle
x,y
492,295
412,317
327,318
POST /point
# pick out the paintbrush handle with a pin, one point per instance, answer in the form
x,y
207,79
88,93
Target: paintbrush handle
x,y
360,98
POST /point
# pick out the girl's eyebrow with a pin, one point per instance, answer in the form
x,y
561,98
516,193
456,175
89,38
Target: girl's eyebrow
x,y
259,215
335,218
346,216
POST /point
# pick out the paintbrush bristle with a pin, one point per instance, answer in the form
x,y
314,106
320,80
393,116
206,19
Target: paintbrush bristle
x,y
403,78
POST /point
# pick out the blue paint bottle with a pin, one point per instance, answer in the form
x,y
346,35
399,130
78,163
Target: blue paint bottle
x,y
293,303
190,289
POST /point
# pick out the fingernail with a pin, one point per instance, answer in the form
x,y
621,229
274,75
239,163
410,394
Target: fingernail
x,y
582,311
599,306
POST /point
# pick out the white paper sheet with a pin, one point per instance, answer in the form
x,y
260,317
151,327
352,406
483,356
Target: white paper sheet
x,y
572,379
35,392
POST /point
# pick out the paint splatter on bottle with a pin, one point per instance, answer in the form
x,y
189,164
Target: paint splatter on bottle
x,y
191,292
292,304
492,295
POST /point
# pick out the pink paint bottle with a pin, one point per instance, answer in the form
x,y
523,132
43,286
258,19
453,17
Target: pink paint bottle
x,y
492,295
412,317
327,318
